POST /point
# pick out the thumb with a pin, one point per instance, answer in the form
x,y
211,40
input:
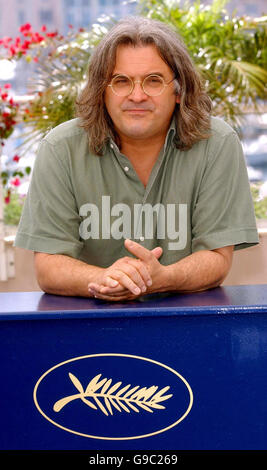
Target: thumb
x,y
157,251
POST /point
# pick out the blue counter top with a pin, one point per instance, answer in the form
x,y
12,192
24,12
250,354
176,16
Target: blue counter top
x,y
223,300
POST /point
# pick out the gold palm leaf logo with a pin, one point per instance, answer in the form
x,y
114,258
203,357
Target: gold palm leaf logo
x,y
101,395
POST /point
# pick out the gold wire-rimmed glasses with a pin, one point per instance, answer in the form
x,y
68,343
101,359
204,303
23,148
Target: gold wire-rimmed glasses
x,y
152,85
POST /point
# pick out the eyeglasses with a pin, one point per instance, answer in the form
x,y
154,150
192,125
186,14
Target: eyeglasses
x,y
152,85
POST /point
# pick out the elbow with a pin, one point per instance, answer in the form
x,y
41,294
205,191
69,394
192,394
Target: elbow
x,y
43,272
225,263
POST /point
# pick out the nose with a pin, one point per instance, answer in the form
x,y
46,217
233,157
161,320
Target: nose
x,y
137,93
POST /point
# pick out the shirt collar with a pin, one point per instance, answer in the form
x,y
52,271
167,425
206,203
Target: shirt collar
x,y
171,134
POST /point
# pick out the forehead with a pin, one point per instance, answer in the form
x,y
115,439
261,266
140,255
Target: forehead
x,y
139,60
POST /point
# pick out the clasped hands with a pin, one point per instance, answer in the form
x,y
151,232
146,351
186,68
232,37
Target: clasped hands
x,y
128,277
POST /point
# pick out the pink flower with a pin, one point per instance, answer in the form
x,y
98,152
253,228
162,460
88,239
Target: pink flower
x,y
7,85
25,27
15,182
51,35
25,45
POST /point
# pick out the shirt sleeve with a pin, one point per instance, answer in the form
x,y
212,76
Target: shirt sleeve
x,y
223,214
50,218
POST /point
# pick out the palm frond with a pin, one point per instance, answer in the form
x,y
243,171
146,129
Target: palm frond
x,y
127,398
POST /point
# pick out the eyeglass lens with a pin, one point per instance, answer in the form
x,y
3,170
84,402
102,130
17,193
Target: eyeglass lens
x,y
123,85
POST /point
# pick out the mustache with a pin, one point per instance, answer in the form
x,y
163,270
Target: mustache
x,y
131,106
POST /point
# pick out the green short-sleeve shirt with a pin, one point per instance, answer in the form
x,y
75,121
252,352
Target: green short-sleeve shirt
x,y
84,206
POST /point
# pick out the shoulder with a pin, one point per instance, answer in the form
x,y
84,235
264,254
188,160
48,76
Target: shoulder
x,y
66,144
223,140
220,128
69,131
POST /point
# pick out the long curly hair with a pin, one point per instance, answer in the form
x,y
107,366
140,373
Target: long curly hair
x,y
192,113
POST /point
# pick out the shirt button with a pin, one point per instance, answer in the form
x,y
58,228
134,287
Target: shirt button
x,y
141,239
111,146
126,168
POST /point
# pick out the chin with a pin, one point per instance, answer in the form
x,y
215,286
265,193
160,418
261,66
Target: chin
x,y
137,130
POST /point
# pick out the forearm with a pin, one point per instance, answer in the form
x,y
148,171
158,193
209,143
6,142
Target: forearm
x,y
200,271
63,275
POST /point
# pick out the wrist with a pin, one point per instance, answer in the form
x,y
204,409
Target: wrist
x,y
164,280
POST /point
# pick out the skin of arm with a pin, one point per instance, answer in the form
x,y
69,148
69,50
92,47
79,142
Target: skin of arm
x,y
63,275
200,271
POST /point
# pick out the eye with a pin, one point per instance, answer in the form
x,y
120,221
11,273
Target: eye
x,y
153,80
121,80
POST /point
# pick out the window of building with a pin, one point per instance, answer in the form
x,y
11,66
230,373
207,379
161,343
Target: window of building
x,y
46,16
21,17
69,3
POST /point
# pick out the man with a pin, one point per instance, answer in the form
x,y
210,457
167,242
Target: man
x,y
144,191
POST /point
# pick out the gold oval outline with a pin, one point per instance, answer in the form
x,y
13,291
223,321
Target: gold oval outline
x,y
121,355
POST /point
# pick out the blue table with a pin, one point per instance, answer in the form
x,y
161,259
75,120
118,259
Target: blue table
x,y
176,372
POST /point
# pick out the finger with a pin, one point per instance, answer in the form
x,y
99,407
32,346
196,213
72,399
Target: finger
x,y
143,271
127,274
94,288
157,251
141,252
128,277
137,272
111,282
112,298
113,290
108,281
108,291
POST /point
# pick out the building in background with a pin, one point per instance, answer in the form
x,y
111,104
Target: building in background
x,y
254,8
14,13
59,14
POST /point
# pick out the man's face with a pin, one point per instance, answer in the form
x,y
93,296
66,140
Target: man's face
x,y
139,116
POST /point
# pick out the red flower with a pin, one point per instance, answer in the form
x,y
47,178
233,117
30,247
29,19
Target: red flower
x,y
7,85
25,27
36,37
51,35
7,198
6,40
25,45
15,182
16,158
43,28
13,50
